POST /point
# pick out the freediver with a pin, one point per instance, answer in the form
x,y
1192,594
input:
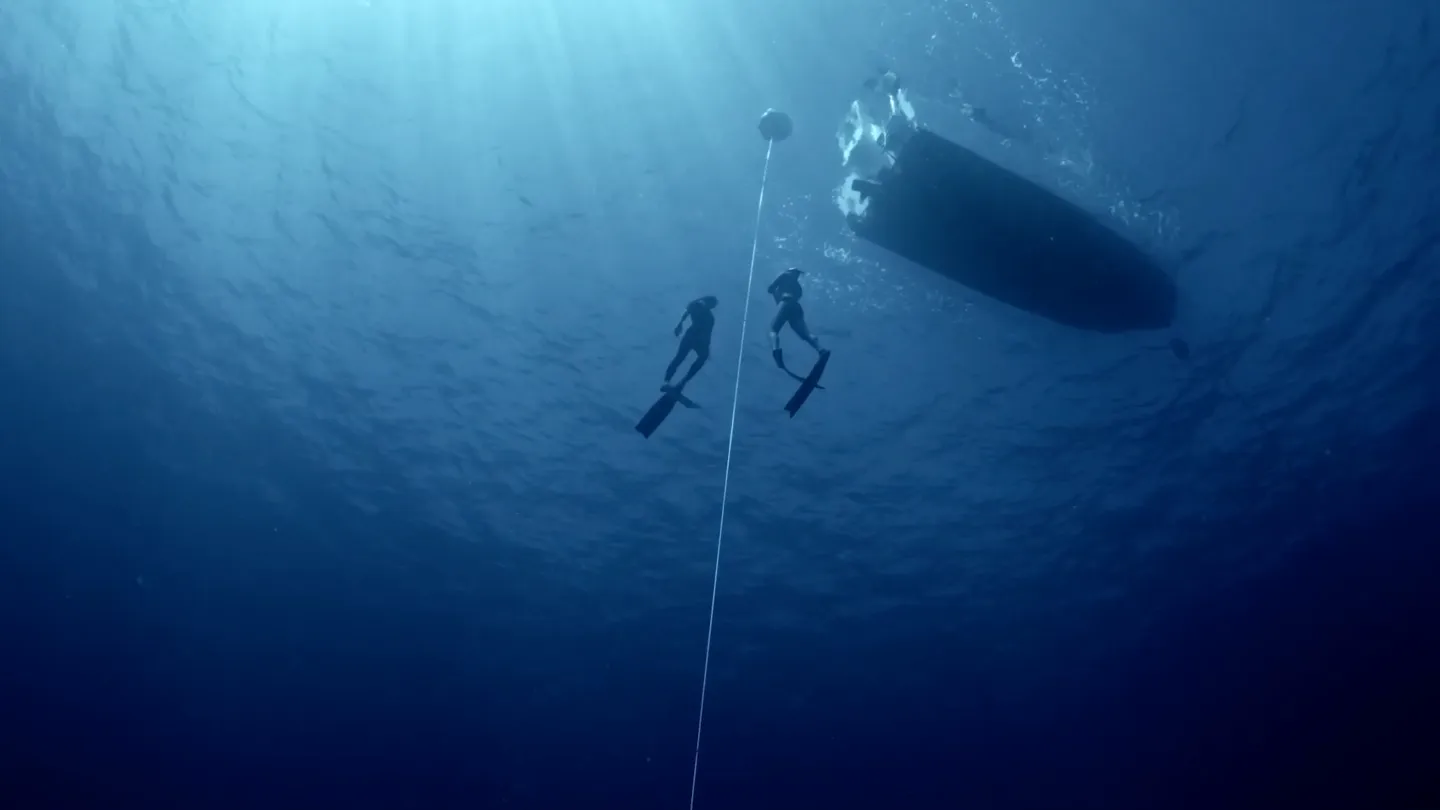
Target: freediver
x,y
785,289
696,339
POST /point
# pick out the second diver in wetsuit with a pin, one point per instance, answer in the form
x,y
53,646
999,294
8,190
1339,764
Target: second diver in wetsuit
x,y
786,291
696,339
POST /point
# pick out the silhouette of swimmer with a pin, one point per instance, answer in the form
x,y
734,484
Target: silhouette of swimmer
x,y
786,291
696,339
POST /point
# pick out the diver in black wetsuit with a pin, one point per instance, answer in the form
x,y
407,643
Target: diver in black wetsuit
x,y
697,339
786,291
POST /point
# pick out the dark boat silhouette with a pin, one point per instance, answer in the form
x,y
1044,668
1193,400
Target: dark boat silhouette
x,y
947,209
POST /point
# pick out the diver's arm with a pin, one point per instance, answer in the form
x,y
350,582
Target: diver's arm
x,y
681,325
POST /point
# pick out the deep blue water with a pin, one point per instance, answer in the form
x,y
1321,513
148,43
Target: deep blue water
x,y
324,326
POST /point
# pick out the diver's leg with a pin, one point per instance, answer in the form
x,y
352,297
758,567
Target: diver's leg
x,y
797,322
702,353
782,315
776,324
680,354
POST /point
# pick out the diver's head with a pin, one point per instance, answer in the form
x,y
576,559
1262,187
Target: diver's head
x,y
793,271
710,301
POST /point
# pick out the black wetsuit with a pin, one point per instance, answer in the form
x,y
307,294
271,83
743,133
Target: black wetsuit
x,y
696,339
786,291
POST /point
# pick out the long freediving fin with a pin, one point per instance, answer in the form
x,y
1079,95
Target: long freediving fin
x,y
811,382
799,379
657,413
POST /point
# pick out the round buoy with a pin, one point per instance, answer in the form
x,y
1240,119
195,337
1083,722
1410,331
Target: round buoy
x,y
775,125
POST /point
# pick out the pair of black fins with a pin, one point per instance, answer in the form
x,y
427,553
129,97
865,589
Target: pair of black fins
x,y
667,401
